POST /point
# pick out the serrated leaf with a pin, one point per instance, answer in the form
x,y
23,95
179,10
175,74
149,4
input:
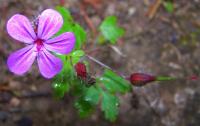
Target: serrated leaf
x,y
169,6
109,106
92,95
115,83
110,30
111,85
85,108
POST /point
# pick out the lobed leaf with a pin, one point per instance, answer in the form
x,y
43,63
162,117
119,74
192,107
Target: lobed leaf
x,y
114,83
109,106
110,30
85,108
92,95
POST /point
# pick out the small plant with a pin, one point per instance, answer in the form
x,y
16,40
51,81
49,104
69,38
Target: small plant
x,y
57,41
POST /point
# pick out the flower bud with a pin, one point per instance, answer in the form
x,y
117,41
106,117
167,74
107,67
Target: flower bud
x,y
140,79
81,70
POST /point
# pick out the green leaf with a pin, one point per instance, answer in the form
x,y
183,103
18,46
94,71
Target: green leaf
x,y
70,26
61,84
92,95
63,80
114,83
85,108
110,30
169,6
79,88
60,89
109,106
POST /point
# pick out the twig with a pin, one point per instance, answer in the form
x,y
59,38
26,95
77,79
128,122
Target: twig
x,y
62,2
105,66
153,9
94,3
87,19
4,88
114,48
99,62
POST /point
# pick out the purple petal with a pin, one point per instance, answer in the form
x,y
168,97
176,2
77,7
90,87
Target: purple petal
x,y
20,61
49,65
63,43
19,27
50,21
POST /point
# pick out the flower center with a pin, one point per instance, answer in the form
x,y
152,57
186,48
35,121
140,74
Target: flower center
x,y
39,44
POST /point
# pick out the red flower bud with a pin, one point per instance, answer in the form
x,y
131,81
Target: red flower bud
x,y
81,70
140,79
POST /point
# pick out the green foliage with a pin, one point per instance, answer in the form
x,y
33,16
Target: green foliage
x,y
110,30
92,95
110,105
114,83
60,89
169,6
104,91
66,77
70,26
84,107
61,83
85,101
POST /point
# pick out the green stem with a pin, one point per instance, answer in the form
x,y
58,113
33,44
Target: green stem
x,y
162,78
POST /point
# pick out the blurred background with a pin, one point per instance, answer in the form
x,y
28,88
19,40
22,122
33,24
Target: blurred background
x,y
158,41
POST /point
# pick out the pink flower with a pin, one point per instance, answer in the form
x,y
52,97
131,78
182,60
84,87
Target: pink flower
x,y
39,43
